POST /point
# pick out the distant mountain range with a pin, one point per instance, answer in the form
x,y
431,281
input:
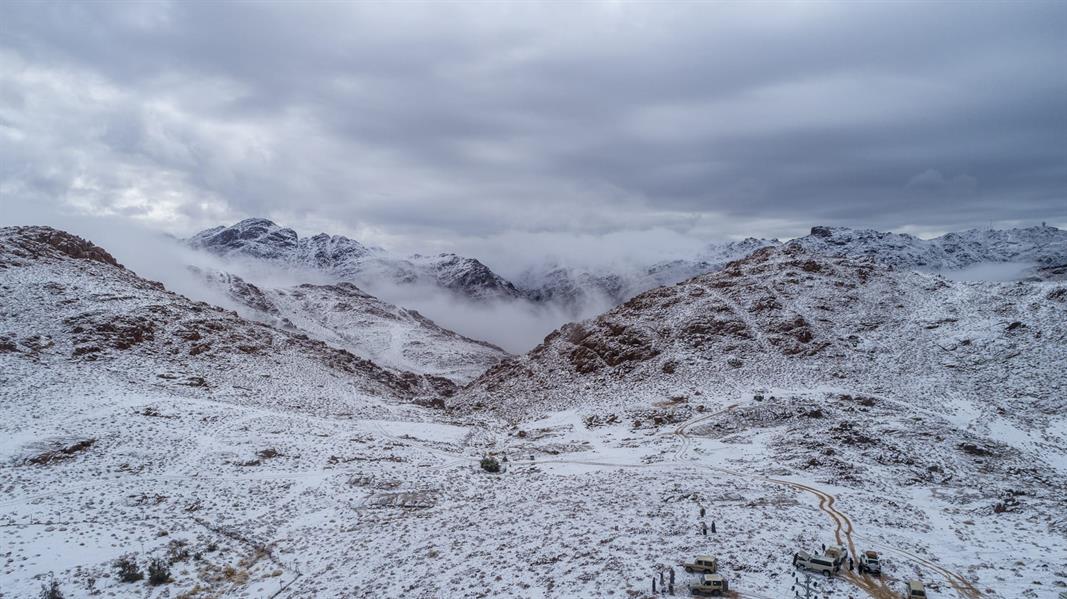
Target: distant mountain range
x,y
1044,246
350,260
573,287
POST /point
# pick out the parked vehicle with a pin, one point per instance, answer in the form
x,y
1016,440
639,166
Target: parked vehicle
x,y
702,563
837,553
816,563
709,584
915,590
869,563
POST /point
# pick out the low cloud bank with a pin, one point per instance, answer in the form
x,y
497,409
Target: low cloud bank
x,y
989,271
514,325
517,326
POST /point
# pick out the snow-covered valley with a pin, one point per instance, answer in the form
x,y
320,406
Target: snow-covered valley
x,y
789,401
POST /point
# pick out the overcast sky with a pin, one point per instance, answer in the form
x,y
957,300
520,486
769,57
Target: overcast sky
x,y
468,125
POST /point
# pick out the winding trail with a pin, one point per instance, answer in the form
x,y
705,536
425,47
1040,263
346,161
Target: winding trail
x,y
843,527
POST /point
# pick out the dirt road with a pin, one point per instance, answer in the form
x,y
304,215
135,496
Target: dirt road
x,y
843,527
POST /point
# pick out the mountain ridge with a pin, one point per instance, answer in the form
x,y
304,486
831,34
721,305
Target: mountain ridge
x,y
68,302
789,304
347,259
576,287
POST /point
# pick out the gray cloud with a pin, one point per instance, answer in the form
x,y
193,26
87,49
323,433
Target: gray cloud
x,y
451,126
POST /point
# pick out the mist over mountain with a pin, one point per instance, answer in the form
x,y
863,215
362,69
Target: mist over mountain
x,y
465,294
786,378
535,300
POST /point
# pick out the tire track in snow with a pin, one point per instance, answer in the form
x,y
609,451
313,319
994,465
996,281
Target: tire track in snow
x,y
963,586
843,527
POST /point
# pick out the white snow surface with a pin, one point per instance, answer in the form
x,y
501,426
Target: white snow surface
x,y
926,425
344,316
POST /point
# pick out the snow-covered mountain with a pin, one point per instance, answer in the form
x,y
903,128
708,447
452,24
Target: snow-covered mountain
x,y
579,289
344,316
1042,245
574,286
349,260
790,400
791,314
938,405
70,308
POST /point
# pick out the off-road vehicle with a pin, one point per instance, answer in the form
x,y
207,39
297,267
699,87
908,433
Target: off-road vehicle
x,y
915,590
816,563
702,563
870,563
837,553
709,584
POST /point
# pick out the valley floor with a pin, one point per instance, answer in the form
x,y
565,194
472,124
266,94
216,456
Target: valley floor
x,y
253,501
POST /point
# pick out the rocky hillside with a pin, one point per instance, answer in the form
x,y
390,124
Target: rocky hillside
x,y
575,287
935,406
1038,245
72,311
790,315
1044,247
789,401
349,260
344,316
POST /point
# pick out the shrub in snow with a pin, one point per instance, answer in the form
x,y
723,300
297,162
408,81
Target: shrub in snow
x,y
158,572
51,590
127,570
490,464
177,551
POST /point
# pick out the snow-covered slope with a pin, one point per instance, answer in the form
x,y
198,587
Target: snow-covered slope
x,y
573,286
793,314
931,404
346,317
789,401
68,306
349,260
1039,245
1044,247
580,289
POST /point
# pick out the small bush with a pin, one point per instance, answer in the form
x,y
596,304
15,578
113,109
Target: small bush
x,y
127,570
51,590
158,572
177,551
490,464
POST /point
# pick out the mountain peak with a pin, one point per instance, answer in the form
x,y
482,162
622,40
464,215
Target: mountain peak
x,y
256,222
348,259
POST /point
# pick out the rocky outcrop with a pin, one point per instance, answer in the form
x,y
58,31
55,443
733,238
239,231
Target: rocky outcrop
x,y
46,243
